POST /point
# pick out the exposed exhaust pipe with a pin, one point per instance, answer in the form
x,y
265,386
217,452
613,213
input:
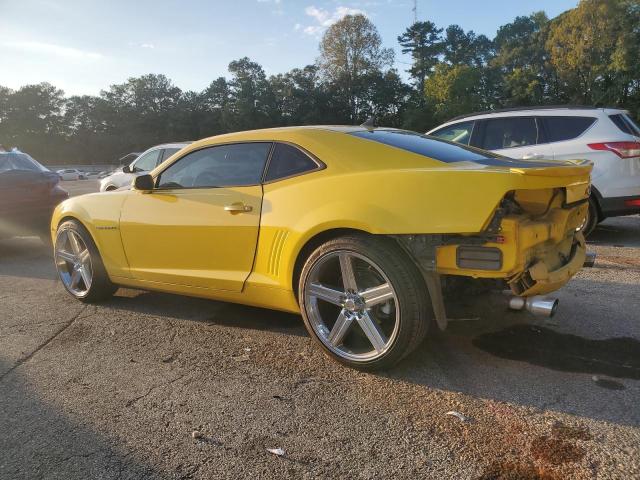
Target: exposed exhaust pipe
x,y
590,260
538,305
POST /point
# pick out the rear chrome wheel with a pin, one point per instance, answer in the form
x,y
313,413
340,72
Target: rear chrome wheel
x,y
352,306
364,301
79,265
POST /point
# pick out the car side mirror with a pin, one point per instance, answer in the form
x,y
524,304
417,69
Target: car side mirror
x,y
144,183
126,169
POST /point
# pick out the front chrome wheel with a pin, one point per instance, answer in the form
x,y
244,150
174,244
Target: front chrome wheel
x,y
352,306
73,261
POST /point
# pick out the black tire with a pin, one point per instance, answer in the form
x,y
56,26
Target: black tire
x,y
414,305
593,218
101,287
110,188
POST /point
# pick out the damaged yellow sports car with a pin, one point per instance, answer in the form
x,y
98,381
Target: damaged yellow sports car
x,y
358,228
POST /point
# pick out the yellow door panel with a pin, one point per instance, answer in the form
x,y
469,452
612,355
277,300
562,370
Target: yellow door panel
x,y
203,237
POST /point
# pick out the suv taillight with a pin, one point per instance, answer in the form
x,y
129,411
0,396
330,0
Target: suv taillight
x,y
622,149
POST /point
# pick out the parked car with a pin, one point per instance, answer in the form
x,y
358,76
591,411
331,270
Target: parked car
x,y
145,162
354,227
608,137
28,192
71,174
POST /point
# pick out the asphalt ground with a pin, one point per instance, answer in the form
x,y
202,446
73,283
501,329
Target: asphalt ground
x,y
116,391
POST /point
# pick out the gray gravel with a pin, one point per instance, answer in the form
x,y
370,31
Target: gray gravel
x,y
116,390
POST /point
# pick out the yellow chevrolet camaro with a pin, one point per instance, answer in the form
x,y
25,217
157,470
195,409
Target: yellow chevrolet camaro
x,y
357,228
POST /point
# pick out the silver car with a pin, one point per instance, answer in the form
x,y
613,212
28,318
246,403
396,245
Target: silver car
x,y
147,161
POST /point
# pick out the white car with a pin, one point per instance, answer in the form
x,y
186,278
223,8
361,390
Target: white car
x,y
606,136
71,174
147,161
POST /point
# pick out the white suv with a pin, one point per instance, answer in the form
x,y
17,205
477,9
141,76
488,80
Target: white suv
x,y
608,137
147,161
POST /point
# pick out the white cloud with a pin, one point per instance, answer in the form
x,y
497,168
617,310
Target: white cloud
x,y
277,2
53,49
147,45
325,18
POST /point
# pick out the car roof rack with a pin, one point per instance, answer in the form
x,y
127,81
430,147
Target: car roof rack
x,y
538,107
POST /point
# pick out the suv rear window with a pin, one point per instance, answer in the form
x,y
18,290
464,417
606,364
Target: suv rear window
x,y
625,124
435,148
559,129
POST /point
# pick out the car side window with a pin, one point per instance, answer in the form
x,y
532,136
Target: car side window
x,y
287,160
459,132
509,132
146,162
566,128
234,165
167,153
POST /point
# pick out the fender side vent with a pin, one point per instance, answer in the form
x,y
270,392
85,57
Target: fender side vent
x,y
276,251
479,258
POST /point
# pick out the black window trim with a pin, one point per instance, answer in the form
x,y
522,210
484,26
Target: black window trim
x,y
237,142
320,165
483,126
543,136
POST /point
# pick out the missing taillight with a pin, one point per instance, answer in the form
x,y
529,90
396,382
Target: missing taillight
x,y
622,149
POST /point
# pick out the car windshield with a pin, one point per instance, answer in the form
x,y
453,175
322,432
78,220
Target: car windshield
x,y
11,161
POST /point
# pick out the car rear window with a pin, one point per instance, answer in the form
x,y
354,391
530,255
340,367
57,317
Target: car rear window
x,y
431,147
625,124
559,129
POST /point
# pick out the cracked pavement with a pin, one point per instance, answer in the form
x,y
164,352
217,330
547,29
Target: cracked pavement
x,y
114,391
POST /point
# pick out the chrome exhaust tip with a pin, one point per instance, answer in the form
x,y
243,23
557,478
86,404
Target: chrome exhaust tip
x,y
590,260
541,306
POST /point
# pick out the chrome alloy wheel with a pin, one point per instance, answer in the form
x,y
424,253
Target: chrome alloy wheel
x,y
352,306
73,262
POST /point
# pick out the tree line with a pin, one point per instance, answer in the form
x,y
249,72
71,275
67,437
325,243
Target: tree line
x,y
586,56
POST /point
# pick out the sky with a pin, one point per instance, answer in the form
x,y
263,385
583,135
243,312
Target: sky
x,y
83,46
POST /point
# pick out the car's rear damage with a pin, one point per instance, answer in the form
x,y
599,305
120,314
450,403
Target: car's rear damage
x,y
531,245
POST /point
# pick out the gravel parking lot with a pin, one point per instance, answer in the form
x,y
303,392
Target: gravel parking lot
x,y
117,391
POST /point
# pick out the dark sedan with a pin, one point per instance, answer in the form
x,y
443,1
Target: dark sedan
x,y
28,194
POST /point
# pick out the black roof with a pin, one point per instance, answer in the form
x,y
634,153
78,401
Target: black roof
x,y
539,107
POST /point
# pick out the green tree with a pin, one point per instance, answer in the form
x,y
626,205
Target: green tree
x,y
33,119
466,48
521,57
215,100
350,51
592,48
251,97
423,41
454,90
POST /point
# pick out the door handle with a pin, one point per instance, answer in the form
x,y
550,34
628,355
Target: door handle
x,y
238,207
532,156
